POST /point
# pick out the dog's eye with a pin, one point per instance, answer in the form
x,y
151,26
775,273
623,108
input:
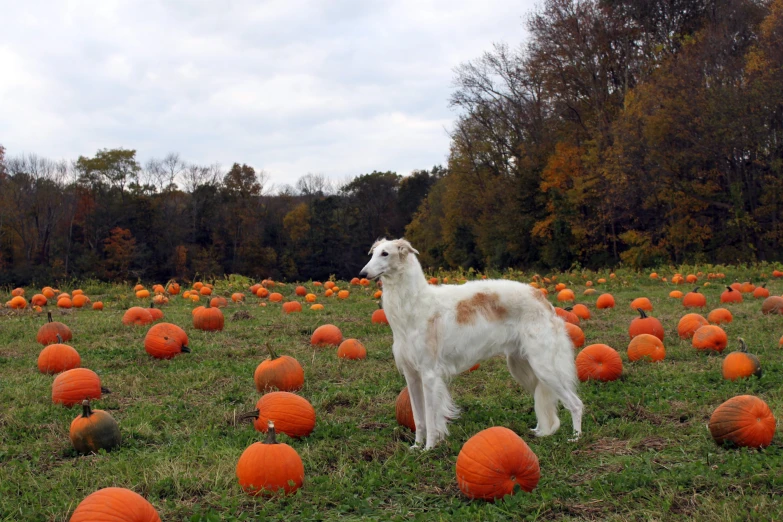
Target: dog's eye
x,y
384,254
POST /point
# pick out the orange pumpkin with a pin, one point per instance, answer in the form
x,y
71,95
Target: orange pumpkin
x,y
64,302
599,362
282,373
747,287
710,337
744,420
741,364
310,298
156,313
647,347
165,341
565,295
643,303
559,287
675,294
329,285
605,301
94,430
315,307
16,292
494,461
115,505
719,316
327,334
576,334
237,297
688,325
275,297
403,410
97,305
262,292
292,307
208,318
646,325
292,414
53,332
730,296
589,291
581,311
143,294
343,294
205,290
137,316
269,467
173,288
654,275
351,349
691,278
48,292
379,317
760,292
567,315
39,300
57,358
73,386
158,289
694,299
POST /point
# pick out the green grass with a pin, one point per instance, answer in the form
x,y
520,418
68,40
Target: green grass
x,y
645,453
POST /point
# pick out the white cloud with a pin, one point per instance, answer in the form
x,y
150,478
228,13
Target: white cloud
x,y
341,87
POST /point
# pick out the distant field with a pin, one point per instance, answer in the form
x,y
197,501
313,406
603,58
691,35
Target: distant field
x,y
645,453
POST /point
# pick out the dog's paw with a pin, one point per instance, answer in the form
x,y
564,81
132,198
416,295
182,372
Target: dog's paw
x,y
414,447
536,432
575,438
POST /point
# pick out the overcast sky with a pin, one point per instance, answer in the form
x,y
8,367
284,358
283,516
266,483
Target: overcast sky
x,y
337,87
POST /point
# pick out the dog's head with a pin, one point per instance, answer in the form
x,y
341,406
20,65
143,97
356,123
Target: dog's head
x,y
388,257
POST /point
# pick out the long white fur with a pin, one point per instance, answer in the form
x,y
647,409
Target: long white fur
x,y
430,345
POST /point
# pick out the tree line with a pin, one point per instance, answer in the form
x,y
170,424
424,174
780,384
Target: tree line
x,y
622,131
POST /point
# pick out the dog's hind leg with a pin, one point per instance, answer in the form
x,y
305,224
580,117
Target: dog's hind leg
x,y
418,405
560,383
522,372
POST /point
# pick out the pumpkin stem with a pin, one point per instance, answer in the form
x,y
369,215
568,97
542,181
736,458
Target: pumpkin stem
x,y
764,285
568,308
105,390
59,339
272,354
730,289
641,313
696,290
86,411
49,314
270,433
152,304
743,346
185,349
249,415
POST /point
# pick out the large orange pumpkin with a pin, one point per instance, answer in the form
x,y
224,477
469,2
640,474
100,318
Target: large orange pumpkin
x,y
647,347
644,324
165,341
270,467
94,430
115,505
292,414
741,364
73,386
494,461
327,334
744,420
403,410
49,332
282,373
688,325
56,358
599,362
710,337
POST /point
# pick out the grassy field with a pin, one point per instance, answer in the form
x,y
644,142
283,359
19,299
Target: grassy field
x,y
645,454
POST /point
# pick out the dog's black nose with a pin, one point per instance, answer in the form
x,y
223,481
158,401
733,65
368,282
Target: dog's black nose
x,y
363,275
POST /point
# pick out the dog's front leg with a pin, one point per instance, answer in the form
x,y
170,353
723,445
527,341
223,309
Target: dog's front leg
x,y
436,422
416,393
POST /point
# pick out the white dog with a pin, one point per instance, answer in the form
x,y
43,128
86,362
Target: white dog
x,y
440,331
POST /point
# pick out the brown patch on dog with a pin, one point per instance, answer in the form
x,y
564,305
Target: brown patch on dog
x,y
433,336
538,294
487,305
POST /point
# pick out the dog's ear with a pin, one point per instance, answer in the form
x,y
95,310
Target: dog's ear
x,y
377,242
405,248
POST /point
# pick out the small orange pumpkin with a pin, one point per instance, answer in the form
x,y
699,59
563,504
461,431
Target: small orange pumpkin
x,y
760,292
403,410
581,311
58,357
73,386
327,334
646,325
730,296
604,301
694,299
379,317
270,467
116,505
688,325
599,362
53,332
643,303
710,337
292,307
576,334
165,341
719,316
283,373
647,347
137,316
292,414
275,297
208,318
351,349
741,364
94,430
